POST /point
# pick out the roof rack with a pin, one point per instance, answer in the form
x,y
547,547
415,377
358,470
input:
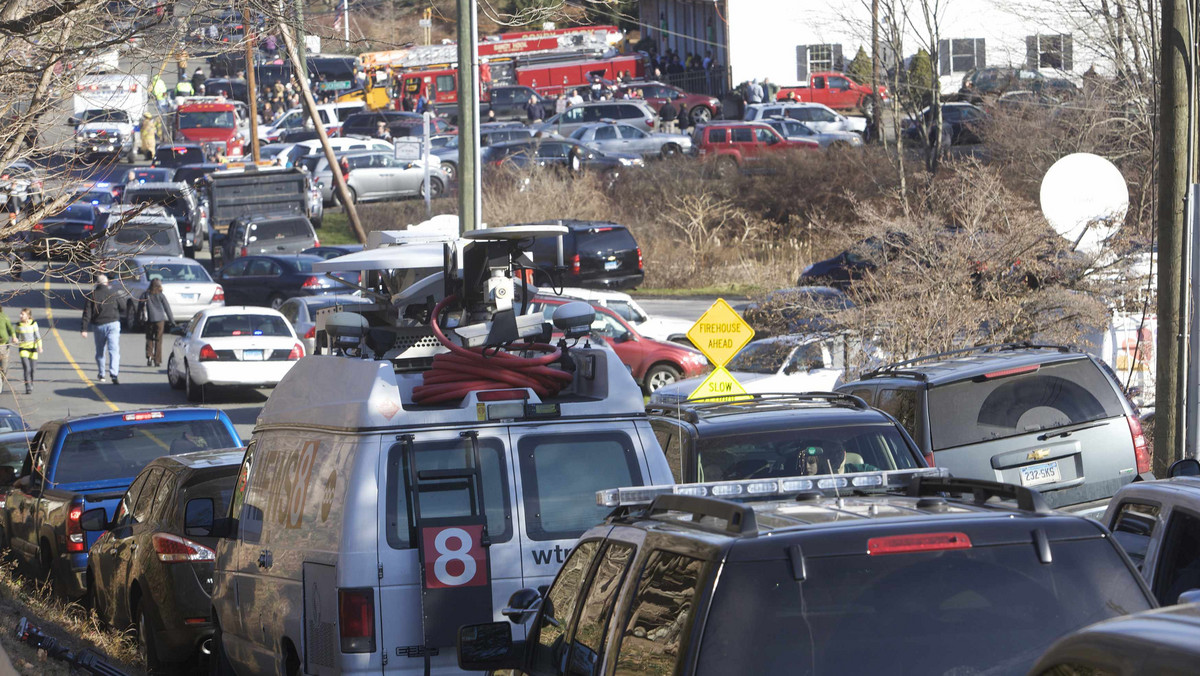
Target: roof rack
x,y
691,409
897,368
739,519
1027,499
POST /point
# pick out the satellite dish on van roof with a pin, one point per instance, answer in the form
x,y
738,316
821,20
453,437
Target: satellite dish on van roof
x,y
1084,198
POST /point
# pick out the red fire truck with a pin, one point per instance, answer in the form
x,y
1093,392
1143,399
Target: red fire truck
x,y
211,121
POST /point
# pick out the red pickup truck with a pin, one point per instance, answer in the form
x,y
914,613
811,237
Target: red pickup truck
x,y
835,90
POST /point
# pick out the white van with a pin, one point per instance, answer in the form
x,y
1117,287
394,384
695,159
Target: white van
x,y
331,115
366,528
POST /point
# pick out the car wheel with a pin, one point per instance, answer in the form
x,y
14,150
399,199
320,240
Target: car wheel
x,y
318,221
436,188
700,115
173,376
867,106
669,150
353,195
189,252
451,170
727,167
275,301
127,320
660,376
147,642
195,391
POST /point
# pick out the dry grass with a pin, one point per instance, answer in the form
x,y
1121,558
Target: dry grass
x,y
66,621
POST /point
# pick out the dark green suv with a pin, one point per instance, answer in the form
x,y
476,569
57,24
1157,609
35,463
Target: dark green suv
x,y
907,572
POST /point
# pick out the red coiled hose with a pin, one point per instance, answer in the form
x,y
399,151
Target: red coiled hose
x,y
464,370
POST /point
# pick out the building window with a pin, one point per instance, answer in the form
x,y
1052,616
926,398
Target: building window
x,y
1049,51
961,55
817,58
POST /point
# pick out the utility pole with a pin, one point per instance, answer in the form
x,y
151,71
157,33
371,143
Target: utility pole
x,y
876,103
300,66
1174,175
251,87
470,202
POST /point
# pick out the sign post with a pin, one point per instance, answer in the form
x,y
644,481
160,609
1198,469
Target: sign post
x,y
720,333
426,156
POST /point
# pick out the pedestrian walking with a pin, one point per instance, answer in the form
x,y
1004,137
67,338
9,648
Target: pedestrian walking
x,y
667,115
29,344
197,80
7,337
684,119
158,314
149,134
102,313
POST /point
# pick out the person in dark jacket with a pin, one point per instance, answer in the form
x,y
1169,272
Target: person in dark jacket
x,y
684,119
667,116
102,312
533,109
158,313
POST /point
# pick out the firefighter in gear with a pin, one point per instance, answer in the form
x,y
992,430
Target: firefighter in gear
x,y
29,344
149,134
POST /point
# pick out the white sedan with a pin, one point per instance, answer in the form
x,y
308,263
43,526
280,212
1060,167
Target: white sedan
x,y
232,346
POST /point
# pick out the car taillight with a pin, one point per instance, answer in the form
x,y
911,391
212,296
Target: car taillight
x,y
356,620
639,250
575,264
917,542
75,539
245,251
316,241
929,459
207,353
311,282
1141,449
650,122
174,549
219,295
296,353
312,333
37,226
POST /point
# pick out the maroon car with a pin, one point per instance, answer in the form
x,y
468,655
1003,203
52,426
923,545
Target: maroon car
x,y
653,363
700,108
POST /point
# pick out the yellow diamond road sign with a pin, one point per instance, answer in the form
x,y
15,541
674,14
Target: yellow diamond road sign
x,y
720,385
720,333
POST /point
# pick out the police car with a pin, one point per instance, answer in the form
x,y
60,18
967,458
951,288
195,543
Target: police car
x,y
418,472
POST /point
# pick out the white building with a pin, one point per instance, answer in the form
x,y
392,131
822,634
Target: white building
x,y
786,40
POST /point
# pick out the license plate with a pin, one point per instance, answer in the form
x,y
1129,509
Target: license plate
x,y
611,265
252,355
1045,473
189,296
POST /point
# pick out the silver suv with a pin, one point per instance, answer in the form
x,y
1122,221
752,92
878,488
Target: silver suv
x,y
1042,416
636,113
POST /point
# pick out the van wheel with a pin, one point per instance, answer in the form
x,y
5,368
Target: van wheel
x,y
195,391
727,167
660,376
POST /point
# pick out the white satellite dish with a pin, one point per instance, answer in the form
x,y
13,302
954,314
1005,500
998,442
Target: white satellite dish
x,y
1084,198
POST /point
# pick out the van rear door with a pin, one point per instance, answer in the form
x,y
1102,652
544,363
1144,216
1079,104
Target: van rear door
x,y
429,472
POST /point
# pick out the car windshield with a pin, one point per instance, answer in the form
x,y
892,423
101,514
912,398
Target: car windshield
x,y
10,422
177,272
226,326
865,614
98,197
106,116
1045,397
207,119
800,451
762,357
116,452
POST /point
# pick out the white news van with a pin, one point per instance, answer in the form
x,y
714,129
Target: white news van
x,y
365,527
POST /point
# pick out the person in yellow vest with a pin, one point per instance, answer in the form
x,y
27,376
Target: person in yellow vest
x,y
29,343
149,134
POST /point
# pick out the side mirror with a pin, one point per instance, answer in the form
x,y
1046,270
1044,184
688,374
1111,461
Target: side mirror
x,y
623,337
1190,596
1185,467
487,647
198,517
94,520
523,605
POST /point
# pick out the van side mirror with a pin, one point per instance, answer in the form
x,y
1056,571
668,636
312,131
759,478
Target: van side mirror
x,y
487,647
523,605
198,517
94,520
1184,467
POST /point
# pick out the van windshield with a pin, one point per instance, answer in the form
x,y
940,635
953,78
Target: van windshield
x,y
799,452
874,614
117,452
1052,396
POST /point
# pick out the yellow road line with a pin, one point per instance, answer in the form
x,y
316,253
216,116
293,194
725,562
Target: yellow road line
x,y
67,353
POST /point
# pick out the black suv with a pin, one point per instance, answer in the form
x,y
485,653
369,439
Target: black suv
x,y
908,572
180,201
596,255
779,435
1035,415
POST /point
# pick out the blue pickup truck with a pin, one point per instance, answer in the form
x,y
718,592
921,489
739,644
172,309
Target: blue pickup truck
x,y
77,464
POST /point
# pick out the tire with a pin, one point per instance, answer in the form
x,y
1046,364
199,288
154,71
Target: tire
x,y
669,151
867,106
147,641
352,193
436,188
727,167
218,663
127,320
660,376
175,382
318,221
195,392
700,115
275,301
189,252
451,170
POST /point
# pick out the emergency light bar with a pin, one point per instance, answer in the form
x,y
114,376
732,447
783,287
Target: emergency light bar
x,y
765,488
